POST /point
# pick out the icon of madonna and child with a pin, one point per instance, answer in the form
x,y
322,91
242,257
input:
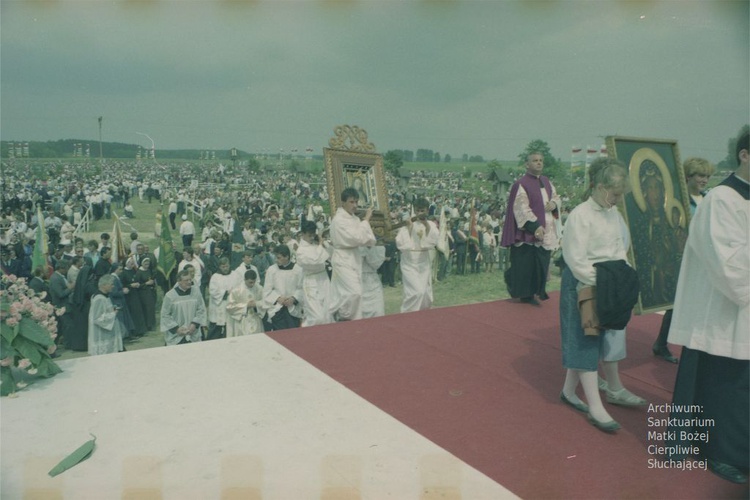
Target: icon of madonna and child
x,y
658,227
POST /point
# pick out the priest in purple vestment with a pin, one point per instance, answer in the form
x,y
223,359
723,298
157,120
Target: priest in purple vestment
x,y
530,232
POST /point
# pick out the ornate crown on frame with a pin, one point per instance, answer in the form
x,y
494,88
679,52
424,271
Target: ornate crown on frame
x,y
351,138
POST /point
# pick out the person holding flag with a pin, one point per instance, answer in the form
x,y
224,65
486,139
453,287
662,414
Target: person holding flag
x,y
119,251
166,261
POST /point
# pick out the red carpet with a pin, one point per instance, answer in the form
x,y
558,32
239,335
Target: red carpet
x,y
483,382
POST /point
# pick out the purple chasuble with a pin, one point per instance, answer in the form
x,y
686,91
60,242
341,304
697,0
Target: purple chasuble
x,y
513,234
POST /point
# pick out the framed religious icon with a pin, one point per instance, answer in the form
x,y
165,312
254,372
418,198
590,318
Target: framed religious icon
x,y
656,210
357,166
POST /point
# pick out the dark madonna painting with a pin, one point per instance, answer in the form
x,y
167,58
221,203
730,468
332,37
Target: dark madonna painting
x,y
656,212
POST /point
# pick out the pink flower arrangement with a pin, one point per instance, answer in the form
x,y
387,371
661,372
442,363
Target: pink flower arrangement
x,y
28,328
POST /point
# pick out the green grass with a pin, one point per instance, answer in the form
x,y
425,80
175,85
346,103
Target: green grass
x,y
143,224
453,291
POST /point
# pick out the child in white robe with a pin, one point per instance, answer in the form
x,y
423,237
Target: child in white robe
x,y
245,307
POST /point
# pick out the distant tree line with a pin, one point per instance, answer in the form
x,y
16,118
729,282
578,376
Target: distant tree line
x,y
68,148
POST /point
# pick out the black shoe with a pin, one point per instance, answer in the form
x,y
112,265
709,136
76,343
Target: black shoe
x,y
529,300
726,471
582,407
663,352
610,427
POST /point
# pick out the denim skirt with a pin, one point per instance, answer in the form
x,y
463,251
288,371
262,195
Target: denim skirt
x,y
579,351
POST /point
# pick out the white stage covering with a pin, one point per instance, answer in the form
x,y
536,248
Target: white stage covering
x,y
235,418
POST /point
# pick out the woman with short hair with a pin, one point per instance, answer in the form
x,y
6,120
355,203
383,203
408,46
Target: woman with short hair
x,y
594,232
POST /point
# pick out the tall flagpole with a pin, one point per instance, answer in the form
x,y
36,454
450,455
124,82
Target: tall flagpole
x,y
101,156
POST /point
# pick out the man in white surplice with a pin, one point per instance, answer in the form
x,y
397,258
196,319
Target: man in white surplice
x,y
283,298
415,240
183,311
348,233
105,331
312,255
373,303
219,287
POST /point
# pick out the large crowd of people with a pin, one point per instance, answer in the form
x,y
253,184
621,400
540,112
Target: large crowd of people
x,y
228,223
258,252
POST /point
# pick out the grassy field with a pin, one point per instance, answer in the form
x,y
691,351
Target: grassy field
x,y
455,290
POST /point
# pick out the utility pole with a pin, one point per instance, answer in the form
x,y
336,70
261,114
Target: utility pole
x,y
101,156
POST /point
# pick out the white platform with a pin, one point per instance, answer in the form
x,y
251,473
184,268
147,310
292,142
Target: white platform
x,y
236,418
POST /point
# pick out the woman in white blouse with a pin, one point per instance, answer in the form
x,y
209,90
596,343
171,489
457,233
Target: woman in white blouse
x,y
594,232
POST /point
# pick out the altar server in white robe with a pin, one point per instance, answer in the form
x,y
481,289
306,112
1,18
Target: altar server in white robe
x,y
415,240
312,254
373,304
712,322
219,287
283,297
348,234
183,311
245,307
189,258
105,331
238,273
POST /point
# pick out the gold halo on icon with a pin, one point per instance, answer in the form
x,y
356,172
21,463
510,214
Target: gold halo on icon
x,y
636,161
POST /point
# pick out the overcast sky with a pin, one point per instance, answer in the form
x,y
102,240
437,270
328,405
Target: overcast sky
x,y
476,77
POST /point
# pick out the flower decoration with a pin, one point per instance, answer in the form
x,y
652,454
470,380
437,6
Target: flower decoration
x,y
28,328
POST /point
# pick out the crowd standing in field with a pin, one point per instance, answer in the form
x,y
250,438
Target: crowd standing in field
x,y
230,223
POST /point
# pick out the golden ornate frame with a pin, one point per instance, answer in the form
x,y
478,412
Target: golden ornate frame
x,y
351,161
648,257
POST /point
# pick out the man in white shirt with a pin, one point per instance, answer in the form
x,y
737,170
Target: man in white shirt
x,y
187,231
172,214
